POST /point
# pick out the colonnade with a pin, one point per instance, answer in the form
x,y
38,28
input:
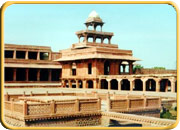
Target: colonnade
x,y
134,84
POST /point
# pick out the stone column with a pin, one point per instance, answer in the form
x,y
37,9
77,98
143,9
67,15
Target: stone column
x,y
99,85
157,85
172,85
14,54
144,84
109,41
27,74
38,75
131,84
49,55
14,74
63,83
95,84
119,84
124,68
109,84
130,67
69,83
50,75
26,55
77,84
102,40
38,55
84,84
166,86
94,39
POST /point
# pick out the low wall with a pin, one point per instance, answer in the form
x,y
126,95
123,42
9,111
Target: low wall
x,y
155,71
134,104
28,111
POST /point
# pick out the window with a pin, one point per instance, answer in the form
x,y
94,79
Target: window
x,y
20,54
32,55
89,68
8,54
44,55
73,71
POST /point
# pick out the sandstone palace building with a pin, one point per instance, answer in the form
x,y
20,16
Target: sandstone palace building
x,y
92,63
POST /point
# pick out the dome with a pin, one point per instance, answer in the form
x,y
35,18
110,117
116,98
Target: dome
x,y
94,14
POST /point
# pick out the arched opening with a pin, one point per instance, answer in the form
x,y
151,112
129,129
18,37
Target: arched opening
x,y
73,82
80,84
66,84
150,85
98,28
81,39
98,40
125,84
104,84
114,84
90,84
138,85
165,85
90,39
90,28
106,68
106,41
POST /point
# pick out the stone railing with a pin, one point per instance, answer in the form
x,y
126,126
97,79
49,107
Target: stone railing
x,y
34,110
144,120
133,104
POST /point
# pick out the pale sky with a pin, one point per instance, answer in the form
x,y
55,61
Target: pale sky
x,y
149,30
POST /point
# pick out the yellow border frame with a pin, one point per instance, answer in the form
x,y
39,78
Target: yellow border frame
x,y
5,5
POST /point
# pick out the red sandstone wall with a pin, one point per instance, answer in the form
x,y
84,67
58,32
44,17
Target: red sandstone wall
x,y
155,71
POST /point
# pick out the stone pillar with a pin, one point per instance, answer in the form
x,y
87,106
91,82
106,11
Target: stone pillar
x,y
14,54
131,84
102,40
130,67
119,84
26,55
172,86
25,108
166,86
124,68
52,105
49,55
77,105
38,55
50,75
14,74
27,74
84,84
77,84
99,85
109,41
94,39
69,83
95,84
109,84
144,84
38,75
157,85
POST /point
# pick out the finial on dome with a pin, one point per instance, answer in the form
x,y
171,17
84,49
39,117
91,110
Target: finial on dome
x,y
94,14
94,17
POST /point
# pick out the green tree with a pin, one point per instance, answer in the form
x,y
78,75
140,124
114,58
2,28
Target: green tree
x,y
137,67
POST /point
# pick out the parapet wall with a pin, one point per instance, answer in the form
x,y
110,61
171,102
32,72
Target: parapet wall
x,y
155,71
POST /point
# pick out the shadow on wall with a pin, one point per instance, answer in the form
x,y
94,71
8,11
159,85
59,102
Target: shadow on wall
x,y
114,123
